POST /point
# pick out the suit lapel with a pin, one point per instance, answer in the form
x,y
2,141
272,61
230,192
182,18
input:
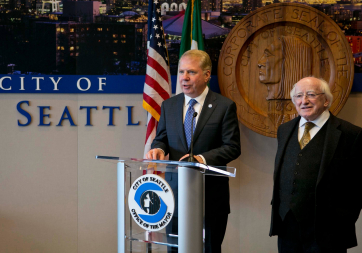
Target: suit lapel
x,y
282,143
206,112
179,112
330,145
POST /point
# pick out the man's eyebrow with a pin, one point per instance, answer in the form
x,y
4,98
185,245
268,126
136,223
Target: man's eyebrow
x,y
188,70
306,91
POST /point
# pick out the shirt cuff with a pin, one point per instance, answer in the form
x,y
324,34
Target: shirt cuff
x,y
203,159
161,150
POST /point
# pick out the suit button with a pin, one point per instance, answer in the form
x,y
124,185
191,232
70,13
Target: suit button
x,y
292,193
296,172
294,182
300,155
297,163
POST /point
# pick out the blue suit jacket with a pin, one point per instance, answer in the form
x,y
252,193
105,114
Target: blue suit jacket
x,y
216,137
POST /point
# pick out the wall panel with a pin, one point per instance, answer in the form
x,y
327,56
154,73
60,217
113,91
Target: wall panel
x,y
55,197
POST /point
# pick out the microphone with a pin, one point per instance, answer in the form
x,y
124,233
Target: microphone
x,y
191,157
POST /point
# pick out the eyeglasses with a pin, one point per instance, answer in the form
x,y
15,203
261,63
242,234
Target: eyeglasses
x,y
310,95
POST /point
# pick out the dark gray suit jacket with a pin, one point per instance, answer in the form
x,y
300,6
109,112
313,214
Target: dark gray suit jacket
x,y
339,188
216,137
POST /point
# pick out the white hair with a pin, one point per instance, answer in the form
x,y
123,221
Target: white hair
x,y
323,86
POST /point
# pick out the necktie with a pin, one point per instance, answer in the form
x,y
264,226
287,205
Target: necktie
x,y
306,136
187,122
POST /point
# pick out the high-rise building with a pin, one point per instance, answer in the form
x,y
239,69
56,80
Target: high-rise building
x,y
90,48
86,10
210,5
251,5
7,4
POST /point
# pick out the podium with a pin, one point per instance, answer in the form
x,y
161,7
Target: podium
x,y
153,196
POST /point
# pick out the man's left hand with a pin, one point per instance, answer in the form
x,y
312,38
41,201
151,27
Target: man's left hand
x,y
197,158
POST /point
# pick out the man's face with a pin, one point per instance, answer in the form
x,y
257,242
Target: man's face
x,y
192,78
308,108
270,64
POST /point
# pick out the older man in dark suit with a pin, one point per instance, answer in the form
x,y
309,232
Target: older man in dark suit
x,y
317,193
216,138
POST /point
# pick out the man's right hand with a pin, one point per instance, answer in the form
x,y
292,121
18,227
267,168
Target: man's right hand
x,y
155,154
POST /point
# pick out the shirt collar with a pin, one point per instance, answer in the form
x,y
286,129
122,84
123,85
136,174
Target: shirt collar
x,y
319,122
200,99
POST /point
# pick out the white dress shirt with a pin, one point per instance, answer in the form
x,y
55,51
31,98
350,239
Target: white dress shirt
x,y
198,107
318,122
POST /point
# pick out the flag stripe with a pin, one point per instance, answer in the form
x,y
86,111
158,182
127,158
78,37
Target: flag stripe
x,y
152,103
150,127
192,19
157,87
160,70
153,94
151,106
151,133
159,59
162,83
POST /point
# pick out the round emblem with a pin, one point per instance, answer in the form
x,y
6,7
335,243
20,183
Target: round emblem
x,y
151,202
270,50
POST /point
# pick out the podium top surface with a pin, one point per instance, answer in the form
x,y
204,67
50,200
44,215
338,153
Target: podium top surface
x,y
166,165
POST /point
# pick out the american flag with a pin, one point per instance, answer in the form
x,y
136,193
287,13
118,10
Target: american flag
x,y
157,86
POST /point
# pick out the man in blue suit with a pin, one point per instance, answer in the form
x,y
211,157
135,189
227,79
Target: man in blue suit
x,y
216,137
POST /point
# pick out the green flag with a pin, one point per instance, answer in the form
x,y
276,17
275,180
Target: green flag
x,y
191,31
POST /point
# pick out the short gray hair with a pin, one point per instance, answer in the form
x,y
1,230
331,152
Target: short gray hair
x,y
205,61
323,86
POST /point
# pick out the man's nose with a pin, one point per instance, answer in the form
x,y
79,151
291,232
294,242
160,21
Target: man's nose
x,y
305,99
184,76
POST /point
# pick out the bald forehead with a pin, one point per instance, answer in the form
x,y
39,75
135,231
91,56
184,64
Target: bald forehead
x,y
310,82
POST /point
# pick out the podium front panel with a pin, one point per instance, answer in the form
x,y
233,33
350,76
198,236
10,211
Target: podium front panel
x,y
161,204
151,207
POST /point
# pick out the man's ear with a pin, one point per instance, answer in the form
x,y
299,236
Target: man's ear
x,y
207,74
326,103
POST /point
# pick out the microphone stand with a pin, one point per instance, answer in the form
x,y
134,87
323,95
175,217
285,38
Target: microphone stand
x,y
191,157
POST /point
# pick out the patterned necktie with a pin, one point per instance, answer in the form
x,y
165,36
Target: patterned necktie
x,y
188,119
306,136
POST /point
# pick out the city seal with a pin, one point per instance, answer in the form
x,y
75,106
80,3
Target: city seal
x,y
151,202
